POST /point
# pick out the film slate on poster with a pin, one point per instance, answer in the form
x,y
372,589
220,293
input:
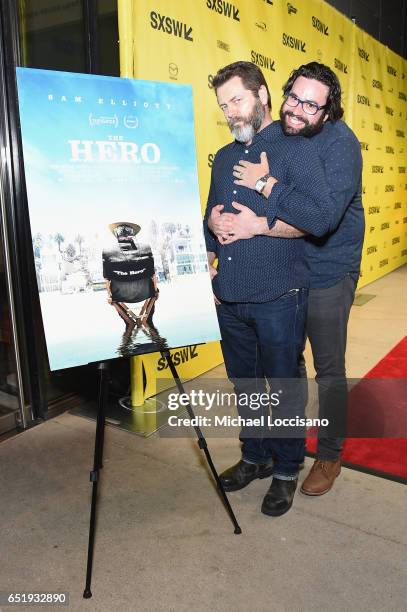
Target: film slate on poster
x,y
115,215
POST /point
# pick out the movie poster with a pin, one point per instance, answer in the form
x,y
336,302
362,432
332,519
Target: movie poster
x,y
115,215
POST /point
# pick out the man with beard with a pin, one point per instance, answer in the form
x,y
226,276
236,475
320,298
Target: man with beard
x,y
312,108
261,284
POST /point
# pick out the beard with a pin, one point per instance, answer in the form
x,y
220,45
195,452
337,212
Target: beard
x,y
308,129
251,123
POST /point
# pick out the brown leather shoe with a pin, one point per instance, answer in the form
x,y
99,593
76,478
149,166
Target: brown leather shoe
x,y
321,477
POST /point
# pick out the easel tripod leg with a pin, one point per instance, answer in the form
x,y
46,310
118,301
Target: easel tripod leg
x,y
94,475
202,443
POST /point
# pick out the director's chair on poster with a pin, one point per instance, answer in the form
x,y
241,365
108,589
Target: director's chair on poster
x,y
130,277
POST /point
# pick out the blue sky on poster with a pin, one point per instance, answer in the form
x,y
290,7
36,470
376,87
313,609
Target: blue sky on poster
x,y
71,195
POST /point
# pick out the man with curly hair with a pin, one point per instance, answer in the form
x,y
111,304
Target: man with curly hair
x,y
312,108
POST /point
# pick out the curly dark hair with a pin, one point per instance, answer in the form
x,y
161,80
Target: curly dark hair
x,y
252,77
324,75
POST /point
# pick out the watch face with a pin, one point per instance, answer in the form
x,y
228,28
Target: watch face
x,y
259,186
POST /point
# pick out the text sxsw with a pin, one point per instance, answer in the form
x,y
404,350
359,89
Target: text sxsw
x,y
321,27
294,43
227,9
178,357
169,25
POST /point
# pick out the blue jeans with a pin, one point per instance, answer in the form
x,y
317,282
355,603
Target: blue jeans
x,y
265,341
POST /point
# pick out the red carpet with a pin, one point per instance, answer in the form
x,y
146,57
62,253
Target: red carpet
x,y
377,406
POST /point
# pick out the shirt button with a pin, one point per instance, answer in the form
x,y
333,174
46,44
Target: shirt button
x,y
229,259
234,191
247,150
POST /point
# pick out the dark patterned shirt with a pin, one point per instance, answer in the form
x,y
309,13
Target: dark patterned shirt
x,y
263,268
339,252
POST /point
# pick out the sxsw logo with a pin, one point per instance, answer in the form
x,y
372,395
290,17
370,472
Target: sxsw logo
x,y
389,110
363,100
211,157
268,1
377,127
181,356
391,70
377,84
263,61
294,43
389,188
400,133
227,9
318,25
341,66
389,150
402,169
374,210
364,146
171,26
378,169
397,205
402,96
371,249
396,240
291,8
383,263
363,54
385,225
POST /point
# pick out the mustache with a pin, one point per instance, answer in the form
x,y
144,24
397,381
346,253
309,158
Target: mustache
x,y
291,114
232,122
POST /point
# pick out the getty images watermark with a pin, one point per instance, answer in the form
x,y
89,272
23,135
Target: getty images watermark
x,y
250,401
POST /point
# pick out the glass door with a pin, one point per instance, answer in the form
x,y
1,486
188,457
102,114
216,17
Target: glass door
x,y
78,36
11,413
15,410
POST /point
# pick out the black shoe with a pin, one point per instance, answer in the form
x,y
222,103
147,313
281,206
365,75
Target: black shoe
x,y
240,475
279,498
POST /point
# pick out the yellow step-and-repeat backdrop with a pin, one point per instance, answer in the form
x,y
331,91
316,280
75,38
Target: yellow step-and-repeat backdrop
x,y
188,41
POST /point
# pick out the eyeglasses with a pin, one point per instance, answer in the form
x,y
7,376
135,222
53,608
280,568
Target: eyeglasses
x,y
311,108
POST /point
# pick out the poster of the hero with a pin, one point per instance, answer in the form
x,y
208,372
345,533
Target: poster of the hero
x,y
115,215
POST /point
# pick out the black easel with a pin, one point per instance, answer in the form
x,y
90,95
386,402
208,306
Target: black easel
x,y
97,465
202,441
98,458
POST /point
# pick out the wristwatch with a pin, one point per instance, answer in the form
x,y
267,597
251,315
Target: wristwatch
x,y
261,183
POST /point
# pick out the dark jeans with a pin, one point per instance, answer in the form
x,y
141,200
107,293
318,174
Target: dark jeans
x,y
264,341
327,322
